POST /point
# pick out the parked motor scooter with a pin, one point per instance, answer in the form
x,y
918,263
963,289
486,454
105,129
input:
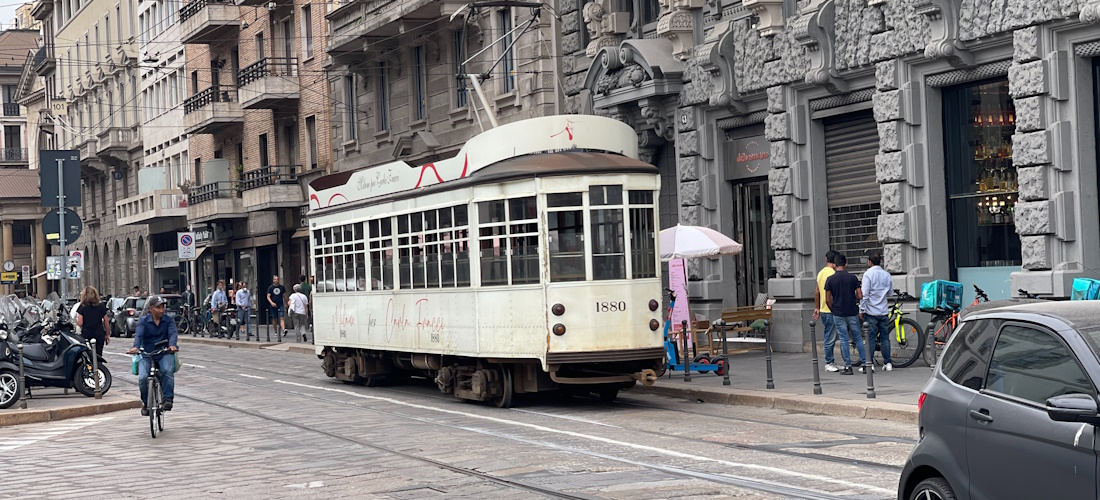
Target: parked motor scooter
x,y
228,322
53,355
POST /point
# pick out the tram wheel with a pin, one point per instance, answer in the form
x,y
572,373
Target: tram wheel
x,y
505,399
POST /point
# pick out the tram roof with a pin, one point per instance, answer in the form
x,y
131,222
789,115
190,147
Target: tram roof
x,y
572,134
533,165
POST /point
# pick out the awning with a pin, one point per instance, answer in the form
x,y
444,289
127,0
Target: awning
x,y
300,233
198,253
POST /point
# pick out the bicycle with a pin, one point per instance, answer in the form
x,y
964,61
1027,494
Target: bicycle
x,y
943,325
154,396
906,334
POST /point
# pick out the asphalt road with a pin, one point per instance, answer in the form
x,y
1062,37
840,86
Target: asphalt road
x,y
252,423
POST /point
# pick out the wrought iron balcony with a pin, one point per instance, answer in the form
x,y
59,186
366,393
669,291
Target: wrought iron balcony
x,y
213,191
272,186
271,175
14,155
215,200
270,83
209,21
211,110
13,109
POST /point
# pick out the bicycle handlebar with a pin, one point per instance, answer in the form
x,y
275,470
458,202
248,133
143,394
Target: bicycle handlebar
x,y
980,292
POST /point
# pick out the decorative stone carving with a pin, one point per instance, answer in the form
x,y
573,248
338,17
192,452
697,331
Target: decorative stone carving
x,y
1033,183
1032,148
886,75
690,216
688,168
712,58
784,263
1035,252
893,228
769,13
813,29
622,114
943,17
893,197
893,257
678,26
782,235
779,181
1027,79
1029,114
655,117
1033,217
604,26
887,105
1090,12
889,167
782,211
687,143
777,99
631,64
648,155
1025,44
691,193
889,136
649,139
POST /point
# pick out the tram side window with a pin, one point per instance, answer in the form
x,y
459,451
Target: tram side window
x,y
381,253
493,242
508,241
565,227
523,232
643,235
608,238
462,245
451,249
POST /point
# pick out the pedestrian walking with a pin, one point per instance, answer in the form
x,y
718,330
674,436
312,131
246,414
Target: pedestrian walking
x,y
307,290
842,295
217,302
877,287
823,314
276,298
244,311
298,304
91,317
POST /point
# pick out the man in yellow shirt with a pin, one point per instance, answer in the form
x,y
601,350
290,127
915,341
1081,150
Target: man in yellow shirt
x,y
822,313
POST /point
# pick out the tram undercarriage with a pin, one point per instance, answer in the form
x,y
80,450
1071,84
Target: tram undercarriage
x,y
492,380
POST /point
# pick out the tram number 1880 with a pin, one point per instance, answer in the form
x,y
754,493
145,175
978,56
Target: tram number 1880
x,y
610,306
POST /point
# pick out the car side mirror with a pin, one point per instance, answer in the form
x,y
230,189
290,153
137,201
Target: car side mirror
x,y
1073,408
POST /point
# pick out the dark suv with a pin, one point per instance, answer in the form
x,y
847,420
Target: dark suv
x,y
1011,408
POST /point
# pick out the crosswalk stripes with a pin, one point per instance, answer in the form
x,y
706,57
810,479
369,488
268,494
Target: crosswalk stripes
x,y
50,430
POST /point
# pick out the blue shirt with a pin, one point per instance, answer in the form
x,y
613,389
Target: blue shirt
x,y
219,299
244,298
149,332
877,286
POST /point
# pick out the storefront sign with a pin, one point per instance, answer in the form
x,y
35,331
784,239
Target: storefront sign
x,y
168,259
748,158
9,278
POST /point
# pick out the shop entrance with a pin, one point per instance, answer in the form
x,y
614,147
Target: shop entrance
x,y
267,265
752,227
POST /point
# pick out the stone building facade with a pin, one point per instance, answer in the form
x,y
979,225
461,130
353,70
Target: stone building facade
x,y
258,117
957,137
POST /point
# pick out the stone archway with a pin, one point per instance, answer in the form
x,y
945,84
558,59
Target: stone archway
x,y
143,265
128,276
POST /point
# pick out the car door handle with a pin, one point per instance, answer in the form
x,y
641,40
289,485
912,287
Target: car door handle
x,y
981,416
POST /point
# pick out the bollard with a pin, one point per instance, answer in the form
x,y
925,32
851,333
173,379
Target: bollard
x,y
813,342
95,370
930,343
869,366
768,354
725,353
687,360
22,380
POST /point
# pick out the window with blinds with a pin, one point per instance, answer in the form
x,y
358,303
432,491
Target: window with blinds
x,y
851,143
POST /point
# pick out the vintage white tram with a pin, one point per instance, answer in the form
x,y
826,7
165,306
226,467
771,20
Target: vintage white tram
x,y
526,263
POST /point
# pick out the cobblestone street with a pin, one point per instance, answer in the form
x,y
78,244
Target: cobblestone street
x,y
261,424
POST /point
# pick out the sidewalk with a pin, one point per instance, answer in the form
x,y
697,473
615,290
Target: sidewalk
x,y
842,395
48,405
285,345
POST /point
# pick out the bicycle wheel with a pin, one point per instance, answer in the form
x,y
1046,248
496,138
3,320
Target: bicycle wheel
x,y
906,346
153,397
935,340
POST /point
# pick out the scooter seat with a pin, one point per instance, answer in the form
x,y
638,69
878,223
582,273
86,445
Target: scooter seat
x,y
35,352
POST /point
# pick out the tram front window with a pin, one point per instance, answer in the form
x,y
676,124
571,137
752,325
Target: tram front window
x,y
608,247
566,230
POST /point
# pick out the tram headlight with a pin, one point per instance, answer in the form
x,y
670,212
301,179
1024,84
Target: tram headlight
x,y
654,324
558,309
559,329
653,304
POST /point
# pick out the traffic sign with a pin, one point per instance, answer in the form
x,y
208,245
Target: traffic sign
x,y
73,269
186,245
48,172
9,278
51,225
26,275
79,254
53,267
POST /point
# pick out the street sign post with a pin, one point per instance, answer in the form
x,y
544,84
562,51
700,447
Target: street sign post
x,y
186,245
59,178
51,225
79,255
26,275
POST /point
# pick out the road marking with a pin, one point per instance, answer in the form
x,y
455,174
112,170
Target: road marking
x,y
53,431
642,447
311,484
251,376
184,364
567,417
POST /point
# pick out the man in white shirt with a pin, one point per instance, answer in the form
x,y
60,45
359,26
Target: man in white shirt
x,y
244,311
298,310
877,286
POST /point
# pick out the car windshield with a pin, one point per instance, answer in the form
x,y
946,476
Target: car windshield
x,y
139,304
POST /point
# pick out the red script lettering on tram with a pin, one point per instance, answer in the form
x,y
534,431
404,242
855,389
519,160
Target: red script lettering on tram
x,y
433,325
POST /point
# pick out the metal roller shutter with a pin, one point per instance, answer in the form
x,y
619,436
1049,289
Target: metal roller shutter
x,y
851,143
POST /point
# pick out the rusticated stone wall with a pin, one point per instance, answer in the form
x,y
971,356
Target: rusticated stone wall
x,y
979,18
865,35
761,62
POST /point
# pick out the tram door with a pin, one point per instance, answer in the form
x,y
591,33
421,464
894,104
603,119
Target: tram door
x,y
752,226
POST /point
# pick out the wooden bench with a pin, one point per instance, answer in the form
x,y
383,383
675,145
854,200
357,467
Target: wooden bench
x,y
744,324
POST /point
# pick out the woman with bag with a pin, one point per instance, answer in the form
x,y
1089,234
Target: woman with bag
x,y
91,317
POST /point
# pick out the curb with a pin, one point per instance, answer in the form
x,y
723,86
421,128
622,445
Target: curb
x,y
290,347
816,405
32,416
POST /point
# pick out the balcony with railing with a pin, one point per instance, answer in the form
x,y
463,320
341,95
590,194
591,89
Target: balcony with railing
x,y
114,141
208,21
42,10
215,200
14,156
272,186
44,61
270,83
152,207
212,110
351,21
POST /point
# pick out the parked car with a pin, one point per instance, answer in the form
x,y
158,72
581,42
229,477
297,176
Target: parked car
x,y
114,305
125,322
173,304
1011,407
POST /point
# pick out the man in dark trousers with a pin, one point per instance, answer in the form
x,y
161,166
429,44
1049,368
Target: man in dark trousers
x,y
276,299
842,294
152,328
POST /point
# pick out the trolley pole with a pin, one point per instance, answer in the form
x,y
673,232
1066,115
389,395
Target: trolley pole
x,y
869,366
22,380
687,360
813,348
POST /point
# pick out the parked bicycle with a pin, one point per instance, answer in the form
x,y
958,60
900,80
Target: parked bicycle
x,y
155,396
906,335
943,324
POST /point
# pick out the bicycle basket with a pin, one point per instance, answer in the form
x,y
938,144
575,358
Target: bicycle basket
x,y
941,295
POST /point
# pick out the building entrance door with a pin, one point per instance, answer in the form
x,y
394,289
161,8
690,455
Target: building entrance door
x,y
752,227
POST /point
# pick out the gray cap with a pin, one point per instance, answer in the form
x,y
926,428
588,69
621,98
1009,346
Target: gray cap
x,y
154,301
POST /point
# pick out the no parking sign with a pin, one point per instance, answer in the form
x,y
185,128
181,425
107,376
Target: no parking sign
x,y
186,245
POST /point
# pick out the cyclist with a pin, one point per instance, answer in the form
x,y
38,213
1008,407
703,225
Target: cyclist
x,y
877,286
152,328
